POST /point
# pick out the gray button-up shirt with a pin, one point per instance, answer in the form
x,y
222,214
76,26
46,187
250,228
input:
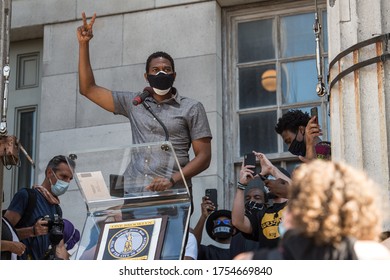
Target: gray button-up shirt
x,y
184,118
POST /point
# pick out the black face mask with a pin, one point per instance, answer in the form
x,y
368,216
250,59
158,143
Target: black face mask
x,y
252,207
223,231
161,80
297,148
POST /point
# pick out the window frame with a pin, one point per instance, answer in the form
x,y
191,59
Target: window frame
x,y
232,17
31,151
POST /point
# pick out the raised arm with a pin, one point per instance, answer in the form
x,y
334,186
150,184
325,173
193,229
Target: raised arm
x,y
87,86
312,133
207,207
239,220
267,168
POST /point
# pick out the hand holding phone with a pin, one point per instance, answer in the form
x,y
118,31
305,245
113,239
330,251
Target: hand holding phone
x,y
213,197
250,159
314,113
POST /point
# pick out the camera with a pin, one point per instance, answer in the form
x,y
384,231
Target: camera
x,y
56,229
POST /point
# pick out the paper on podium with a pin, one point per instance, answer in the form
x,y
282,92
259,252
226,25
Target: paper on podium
x,y
95,189
93,186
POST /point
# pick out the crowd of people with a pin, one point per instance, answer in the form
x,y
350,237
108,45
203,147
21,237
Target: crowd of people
x,y
325,210
322,210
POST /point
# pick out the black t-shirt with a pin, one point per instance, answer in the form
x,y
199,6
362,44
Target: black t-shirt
x,y
265,225
296,246
241,244
211,252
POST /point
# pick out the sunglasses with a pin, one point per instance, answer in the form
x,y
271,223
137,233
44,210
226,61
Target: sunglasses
x,y
219,222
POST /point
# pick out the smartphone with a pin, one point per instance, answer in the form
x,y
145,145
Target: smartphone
x,y
213,196
250,159
117,185
314,112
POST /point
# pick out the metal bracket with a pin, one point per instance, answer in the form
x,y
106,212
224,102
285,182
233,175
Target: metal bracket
x,y
381,58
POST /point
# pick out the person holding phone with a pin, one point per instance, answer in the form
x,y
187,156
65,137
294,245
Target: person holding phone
x,y
261,225
323,223
255,201
301,133
218,225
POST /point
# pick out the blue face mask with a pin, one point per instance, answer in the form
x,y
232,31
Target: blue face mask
x,y
60,187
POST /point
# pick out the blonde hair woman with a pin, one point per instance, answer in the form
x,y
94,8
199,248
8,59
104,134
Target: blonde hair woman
x,y
334,212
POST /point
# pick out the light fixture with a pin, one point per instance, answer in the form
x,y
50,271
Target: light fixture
x,y
268,80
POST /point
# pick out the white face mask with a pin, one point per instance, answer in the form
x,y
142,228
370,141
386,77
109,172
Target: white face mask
x,y
161,91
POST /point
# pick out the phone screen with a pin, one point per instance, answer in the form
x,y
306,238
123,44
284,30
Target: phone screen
x,y
314,112
250,159
212,195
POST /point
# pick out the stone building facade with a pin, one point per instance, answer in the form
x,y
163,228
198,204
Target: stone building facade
x,y
220,47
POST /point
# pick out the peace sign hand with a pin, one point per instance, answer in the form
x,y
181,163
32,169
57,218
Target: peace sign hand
x,y
84,32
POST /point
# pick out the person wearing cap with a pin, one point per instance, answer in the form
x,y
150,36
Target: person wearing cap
x,y
219,228
71,237
261,225
255,200
66,247
335,212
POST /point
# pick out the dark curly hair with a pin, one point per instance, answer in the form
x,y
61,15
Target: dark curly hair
x,y
156,55
291,121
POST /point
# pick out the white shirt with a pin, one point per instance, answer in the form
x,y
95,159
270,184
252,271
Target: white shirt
x,y
191,247
371,250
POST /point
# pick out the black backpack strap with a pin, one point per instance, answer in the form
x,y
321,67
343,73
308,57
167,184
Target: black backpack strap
x,y
32,200
59,210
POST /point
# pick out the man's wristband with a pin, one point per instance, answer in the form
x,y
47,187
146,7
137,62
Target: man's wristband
x,y
241,186
172,181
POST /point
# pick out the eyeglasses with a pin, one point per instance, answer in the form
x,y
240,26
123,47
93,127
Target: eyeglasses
x,y
219,222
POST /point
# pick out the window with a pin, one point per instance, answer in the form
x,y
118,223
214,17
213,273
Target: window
x,y
26,124
271,54
27,71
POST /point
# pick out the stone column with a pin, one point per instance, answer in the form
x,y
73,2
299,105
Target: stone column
x,y
359,102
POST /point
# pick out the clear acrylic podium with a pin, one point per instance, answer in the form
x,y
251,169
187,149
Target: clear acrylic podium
x,y
124,220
